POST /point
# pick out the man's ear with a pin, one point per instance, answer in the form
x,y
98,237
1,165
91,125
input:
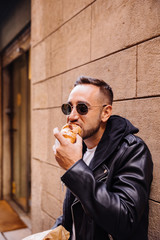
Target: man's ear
x,y
106,113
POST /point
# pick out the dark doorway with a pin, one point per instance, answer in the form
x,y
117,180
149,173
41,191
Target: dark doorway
x,y
20,131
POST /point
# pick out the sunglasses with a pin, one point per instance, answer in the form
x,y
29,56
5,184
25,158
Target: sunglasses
x,y
81,108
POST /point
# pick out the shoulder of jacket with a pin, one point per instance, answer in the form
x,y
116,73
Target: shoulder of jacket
x,y
131,139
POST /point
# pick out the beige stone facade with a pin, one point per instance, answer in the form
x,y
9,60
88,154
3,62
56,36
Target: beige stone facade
x,y
118,41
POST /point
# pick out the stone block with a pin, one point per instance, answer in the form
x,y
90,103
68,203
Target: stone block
x,y
39,134
50,205
63,189
40,95
51,182
46,18
144,114
40,61
47,221
74,7
43,122
154,221
119,24
70,45
148,83
112,69
36,213
47,94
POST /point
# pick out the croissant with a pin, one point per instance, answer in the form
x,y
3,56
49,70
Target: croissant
x,y
70,131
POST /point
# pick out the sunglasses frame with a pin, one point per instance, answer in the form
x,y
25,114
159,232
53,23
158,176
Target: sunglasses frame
x,y
77,108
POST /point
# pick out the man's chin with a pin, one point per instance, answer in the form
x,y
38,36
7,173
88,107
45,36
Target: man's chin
x,y
90,133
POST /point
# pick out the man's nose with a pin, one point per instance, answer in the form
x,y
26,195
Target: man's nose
x,y
73,115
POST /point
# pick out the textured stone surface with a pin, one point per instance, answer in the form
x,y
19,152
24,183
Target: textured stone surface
x,y
50,15
51,182
149,68
70,45
74,7
144,114
43,123
118,24
50,205
36,213
47,221
41,61
63,190
47,17
154,220
47,94
40,134
112,69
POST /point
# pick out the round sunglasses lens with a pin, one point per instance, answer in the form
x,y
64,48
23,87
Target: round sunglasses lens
x,y
66,109
82,108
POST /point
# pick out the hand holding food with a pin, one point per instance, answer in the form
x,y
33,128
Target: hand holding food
x,y
67,153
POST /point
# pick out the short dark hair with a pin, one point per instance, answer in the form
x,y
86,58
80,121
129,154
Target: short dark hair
x,y
104,87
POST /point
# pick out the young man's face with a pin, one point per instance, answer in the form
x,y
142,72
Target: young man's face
x,y
91,122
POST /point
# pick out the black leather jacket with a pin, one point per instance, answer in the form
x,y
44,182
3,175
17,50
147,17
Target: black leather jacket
x,y
109,199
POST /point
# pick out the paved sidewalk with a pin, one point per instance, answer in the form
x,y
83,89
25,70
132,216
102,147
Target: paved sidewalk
x,y
20,233
16,234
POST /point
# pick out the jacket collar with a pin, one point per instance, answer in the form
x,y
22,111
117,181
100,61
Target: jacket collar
x,y
116,129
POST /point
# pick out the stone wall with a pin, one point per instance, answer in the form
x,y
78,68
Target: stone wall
x,y
118,41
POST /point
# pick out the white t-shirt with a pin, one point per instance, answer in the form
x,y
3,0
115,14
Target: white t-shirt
x,y
87,157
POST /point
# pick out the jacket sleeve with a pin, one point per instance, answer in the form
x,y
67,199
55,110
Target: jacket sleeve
x,y
119,208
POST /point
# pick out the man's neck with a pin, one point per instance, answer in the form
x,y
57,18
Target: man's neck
x,y
95,139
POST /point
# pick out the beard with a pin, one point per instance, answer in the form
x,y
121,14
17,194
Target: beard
x,y
90,132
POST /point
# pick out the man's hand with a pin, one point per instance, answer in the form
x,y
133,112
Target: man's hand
x,y
67,153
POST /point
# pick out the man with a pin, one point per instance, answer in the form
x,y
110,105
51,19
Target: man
x,y
108,174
